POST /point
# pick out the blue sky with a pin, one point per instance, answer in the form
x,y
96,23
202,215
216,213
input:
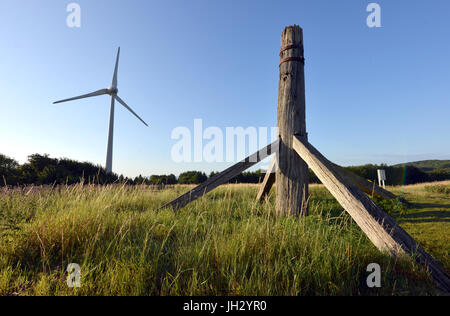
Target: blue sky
x,y
373,95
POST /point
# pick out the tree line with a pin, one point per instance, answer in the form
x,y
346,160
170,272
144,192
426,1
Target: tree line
x,y
43,170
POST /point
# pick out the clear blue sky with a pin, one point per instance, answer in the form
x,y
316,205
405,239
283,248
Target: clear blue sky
x,y
374,95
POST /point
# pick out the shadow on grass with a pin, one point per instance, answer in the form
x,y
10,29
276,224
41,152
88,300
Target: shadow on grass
x,y
425,220
425,217
429,205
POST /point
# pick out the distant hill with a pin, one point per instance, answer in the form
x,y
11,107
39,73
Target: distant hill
x,y
429,166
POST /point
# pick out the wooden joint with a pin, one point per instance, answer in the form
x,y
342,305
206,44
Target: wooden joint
x,y
301,136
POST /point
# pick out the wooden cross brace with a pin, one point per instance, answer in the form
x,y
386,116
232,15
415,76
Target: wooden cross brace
x,y
222,177
379,227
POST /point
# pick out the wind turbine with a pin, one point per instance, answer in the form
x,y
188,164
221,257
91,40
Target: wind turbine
x,y
112,91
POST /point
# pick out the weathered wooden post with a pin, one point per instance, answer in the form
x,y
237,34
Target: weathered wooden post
x,y
292,174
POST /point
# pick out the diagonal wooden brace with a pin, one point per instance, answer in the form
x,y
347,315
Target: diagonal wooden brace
x,y
371,188
269,180
222,177
379,227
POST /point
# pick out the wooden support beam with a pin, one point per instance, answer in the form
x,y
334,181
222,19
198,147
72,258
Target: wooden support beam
x,y
222,177
292,177
371,188
268,181
381,229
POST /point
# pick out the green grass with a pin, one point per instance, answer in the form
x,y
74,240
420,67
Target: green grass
x,y
427,219
223,244
438,188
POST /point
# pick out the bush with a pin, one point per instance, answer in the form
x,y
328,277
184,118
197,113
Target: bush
x,y
41,170
192,177
438,188
157,180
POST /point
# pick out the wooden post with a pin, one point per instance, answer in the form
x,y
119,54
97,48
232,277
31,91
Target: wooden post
x,y
379,227
292,174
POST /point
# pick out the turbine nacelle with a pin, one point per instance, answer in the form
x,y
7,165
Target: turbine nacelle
x,y
112,90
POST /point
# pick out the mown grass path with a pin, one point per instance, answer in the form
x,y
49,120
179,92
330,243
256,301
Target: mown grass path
x,y
427,218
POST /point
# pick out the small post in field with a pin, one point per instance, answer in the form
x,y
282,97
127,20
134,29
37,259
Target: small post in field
x,y
381,178
292,175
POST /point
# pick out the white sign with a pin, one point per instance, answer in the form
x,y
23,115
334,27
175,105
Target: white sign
x,y
381,177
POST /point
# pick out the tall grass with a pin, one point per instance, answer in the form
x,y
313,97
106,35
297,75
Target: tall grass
x,y
438,188
223,244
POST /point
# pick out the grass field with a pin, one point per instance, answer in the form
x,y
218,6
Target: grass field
x,y
223,244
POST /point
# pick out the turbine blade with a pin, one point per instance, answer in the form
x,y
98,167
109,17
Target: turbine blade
x,y
129,109
93,94
116,70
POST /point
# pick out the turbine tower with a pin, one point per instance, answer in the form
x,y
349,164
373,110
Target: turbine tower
x,y
112,91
